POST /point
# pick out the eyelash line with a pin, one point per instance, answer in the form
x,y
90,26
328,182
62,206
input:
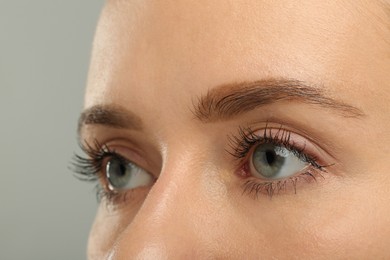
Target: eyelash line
x,y
242,144
270,188
90,168
247,138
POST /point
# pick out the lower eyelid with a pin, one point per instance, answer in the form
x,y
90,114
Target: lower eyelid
x,y
254,187
122,199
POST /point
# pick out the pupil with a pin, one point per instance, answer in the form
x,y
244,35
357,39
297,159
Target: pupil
x,y
271,157
122,170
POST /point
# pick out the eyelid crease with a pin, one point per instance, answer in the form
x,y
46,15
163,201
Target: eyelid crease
x,y
326,144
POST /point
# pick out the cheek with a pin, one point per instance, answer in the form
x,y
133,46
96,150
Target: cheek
x,y
347,220
109,224
351,223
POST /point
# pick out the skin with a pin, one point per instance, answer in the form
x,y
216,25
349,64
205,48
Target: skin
x,y
155,58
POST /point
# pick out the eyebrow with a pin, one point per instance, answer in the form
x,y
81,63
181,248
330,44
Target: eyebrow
x,y
109,115
227,101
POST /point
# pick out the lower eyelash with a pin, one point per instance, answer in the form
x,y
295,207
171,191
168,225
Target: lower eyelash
x,y
113,198
270,188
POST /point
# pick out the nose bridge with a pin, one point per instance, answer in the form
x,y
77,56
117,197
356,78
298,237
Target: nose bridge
x,y
174,215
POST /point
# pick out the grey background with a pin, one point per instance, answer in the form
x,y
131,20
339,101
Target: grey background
x,y
45,213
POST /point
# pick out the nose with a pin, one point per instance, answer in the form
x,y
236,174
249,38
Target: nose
x,y
181,217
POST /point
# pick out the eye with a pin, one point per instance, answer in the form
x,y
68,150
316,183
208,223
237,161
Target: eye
x,y
125,175
270,161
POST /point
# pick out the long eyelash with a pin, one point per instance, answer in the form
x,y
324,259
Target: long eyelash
x,y
90,167
247,139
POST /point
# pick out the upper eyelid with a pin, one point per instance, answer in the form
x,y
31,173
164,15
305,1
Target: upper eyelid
x,y
291,140
135,156
247,136
144,145
122,145
326,143
152,166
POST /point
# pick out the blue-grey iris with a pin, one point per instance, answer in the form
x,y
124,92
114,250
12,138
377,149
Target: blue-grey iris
x,y
125,175
118,173
272,161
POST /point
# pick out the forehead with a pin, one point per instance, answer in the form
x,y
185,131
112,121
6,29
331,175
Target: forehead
x,y
176,50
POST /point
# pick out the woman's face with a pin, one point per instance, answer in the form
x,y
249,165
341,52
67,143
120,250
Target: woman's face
x,y
240,129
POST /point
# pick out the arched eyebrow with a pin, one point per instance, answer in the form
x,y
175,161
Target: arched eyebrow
x,y
109,115
227,101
